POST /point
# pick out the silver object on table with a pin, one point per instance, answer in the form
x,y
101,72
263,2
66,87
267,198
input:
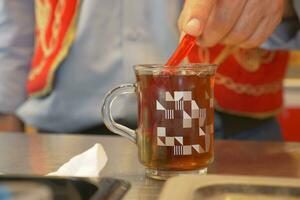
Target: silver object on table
x,y
217,187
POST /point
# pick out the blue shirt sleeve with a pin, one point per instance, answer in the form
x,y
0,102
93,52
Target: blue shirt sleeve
x,y
16,47
287,34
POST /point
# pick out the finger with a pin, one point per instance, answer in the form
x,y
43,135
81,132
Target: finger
x,y
222,19
246,25
195,15
262,33
183,17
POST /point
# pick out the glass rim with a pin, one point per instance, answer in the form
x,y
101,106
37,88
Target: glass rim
x,y
190,66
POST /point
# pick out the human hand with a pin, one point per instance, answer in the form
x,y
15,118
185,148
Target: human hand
x,y
243,23
10,123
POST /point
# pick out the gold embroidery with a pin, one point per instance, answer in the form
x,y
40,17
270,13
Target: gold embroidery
x,y
247,88
224,54
252,59
43,14
249,59
68,40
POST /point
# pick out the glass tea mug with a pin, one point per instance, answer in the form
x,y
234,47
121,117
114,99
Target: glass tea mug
x,y
175,133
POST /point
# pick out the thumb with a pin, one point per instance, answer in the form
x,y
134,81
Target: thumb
x,y
196,14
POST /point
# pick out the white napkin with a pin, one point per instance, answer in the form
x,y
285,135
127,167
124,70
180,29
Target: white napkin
x,y
86,164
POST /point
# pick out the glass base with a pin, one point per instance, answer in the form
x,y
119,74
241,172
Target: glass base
x,y
164,175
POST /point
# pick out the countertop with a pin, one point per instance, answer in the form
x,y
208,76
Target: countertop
x,y
43,153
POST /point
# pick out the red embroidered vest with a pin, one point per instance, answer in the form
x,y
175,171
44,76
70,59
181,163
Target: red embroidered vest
x,y
55,31
248,82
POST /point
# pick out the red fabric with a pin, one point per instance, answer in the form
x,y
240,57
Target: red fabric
x,y
289,122
43,78
232,101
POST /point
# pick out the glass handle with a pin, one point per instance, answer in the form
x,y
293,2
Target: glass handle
x,y
107,116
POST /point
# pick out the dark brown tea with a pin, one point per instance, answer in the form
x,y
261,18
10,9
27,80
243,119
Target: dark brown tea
x,y
176,120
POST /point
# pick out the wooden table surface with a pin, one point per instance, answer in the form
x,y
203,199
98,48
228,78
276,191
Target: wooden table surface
x,y
41,154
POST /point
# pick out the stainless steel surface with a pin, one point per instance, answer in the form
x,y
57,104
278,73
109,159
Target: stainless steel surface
x,y
220,187
41,154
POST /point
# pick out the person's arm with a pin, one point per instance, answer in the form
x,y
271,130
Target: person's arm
x,y
287,34
16,47
10,123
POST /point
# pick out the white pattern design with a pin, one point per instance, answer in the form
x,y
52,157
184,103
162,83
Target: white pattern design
x,y
177,142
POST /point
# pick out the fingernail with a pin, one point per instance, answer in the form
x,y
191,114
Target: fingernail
x,y
193,27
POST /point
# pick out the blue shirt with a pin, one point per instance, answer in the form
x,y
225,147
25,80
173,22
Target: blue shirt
x,y
112,36
287,34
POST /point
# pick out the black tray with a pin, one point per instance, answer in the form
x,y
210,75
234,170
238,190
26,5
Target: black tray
x,y
68,188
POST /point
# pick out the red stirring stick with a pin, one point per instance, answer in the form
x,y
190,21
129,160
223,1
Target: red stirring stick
x,y
183,49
